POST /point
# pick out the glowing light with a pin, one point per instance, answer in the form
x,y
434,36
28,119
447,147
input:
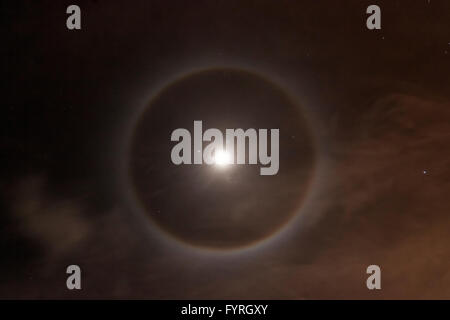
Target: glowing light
x,y
222,158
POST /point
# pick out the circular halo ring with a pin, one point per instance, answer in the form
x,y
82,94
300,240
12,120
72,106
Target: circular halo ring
x,y
171,238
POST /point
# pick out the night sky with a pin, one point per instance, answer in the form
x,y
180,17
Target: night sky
x,y
86,177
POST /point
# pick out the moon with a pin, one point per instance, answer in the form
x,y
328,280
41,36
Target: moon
x,y
222,158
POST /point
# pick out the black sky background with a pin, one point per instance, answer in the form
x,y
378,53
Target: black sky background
x,y
380,100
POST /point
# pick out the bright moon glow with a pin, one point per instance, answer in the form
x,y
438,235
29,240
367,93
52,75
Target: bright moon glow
x,y
222,158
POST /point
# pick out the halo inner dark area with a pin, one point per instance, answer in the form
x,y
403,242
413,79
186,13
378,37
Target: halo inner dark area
x,y
220,207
